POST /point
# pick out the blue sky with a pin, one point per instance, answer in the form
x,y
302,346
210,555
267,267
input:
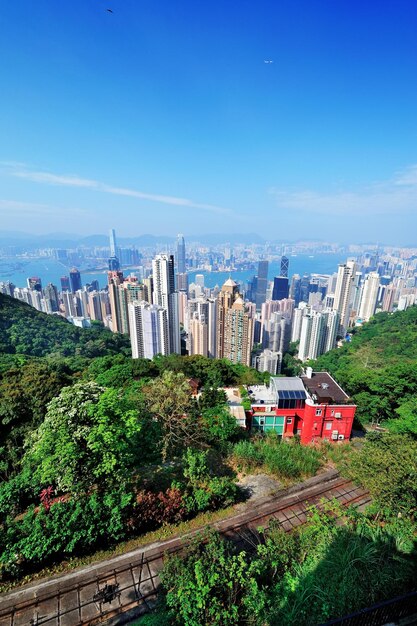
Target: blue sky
x,y
163,117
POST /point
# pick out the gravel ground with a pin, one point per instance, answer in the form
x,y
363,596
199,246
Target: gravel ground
x,y
259,486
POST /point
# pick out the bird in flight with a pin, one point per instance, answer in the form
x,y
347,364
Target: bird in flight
x,y
268,61
109,10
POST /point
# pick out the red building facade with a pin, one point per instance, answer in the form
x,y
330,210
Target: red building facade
x,y
313,406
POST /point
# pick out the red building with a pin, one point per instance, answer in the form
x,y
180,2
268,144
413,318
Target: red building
x,y
313,406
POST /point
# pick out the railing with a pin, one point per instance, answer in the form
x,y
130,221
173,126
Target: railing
x,y
390,611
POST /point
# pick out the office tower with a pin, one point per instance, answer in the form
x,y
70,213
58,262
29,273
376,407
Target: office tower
x,y
261,284
281,288
34,283
199,280
149,334
182,282
113,247
75,280
304,288
51,296
65,283
295,289
226,298
238,333
113,263
369,296
181,268
284,266
164,295
342,296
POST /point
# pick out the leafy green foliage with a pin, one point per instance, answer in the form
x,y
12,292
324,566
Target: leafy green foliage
x,y
386,465
89,436
320,571
204,489
23,330
214,586
378,368
169,399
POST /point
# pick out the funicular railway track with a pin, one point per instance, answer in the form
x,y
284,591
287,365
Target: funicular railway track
x,y
107,591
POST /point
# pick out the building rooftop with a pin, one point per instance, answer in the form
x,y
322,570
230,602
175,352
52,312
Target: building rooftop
x,y
261,394
289,388
324,389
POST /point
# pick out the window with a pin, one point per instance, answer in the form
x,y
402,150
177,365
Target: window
x,y
332,412
315,425
329,425
318,411
289,420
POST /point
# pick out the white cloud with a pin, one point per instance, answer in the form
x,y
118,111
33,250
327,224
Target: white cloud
x,y
49,178
398,195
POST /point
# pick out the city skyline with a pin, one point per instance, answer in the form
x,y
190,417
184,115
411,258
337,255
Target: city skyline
x,y
170,119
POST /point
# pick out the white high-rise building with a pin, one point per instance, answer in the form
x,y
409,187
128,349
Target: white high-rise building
x,y
148,324
318,334
164,295
369,296
343,292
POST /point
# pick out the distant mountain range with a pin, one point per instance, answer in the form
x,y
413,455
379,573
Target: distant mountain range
x,y
67,240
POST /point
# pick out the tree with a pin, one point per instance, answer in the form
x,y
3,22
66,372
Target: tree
x,y
89,436
213,585
386,465
169,399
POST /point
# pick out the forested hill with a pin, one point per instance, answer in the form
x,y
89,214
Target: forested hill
x,y
23,330
378,368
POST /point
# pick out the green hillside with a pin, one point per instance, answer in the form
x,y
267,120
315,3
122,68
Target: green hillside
x,y
378,368
23,330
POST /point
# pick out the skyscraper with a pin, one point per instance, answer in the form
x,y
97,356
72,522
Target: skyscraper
x,y
225,300
369,296
261,284
234,325
284,266
164,295
113,247
281,288
51,295
181,254
114,263
65,283
238,333
75,280
149,334
342,296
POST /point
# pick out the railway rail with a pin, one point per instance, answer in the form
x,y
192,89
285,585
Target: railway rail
x,y
108,592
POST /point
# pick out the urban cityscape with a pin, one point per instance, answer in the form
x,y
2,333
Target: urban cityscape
x,y
208,313
252,322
